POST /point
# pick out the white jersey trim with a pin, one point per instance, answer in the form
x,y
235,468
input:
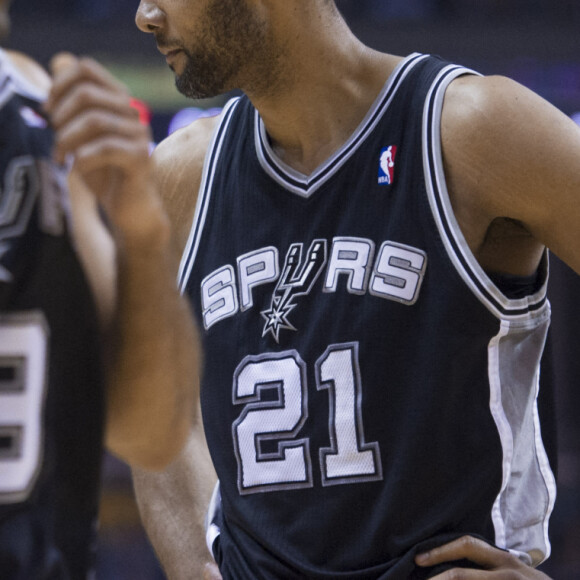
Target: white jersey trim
x,y
524,504
13,82
306,185
547,474
212,530
504,430
461,256
204,196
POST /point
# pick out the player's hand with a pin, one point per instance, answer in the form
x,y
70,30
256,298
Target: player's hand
x,y
497,564
96,125
211,572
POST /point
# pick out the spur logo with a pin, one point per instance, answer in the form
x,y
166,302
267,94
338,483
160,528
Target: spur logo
x,y
293,283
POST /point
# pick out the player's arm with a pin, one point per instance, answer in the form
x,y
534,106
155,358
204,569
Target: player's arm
x,y
153,355
173,503
508,153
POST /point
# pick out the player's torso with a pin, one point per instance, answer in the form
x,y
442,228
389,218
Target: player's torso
x,y
52,398
345,391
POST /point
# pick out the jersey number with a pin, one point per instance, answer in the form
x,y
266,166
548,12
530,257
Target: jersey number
x,y
273,388
23,351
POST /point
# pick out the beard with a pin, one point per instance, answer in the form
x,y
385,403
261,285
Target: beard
x,y
232,51
203,76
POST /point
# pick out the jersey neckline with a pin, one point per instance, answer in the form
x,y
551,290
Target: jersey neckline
x,y
305,185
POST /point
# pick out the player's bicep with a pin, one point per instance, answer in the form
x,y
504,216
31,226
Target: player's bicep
x,y
551,179
517,157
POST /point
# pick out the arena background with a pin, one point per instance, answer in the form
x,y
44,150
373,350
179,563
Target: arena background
x,y
533,41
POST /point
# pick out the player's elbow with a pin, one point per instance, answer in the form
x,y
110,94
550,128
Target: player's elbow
x,y
152,446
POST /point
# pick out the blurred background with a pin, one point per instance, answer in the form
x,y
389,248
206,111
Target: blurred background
x,y
536,42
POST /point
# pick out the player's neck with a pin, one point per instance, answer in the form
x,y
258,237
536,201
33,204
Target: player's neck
x,y
323,101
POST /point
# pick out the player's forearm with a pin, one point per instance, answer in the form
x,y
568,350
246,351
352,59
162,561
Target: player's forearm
x,y
152,352
173,504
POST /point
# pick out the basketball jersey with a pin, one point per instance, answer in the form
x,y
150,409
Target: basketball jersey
x,y
51,394
368,392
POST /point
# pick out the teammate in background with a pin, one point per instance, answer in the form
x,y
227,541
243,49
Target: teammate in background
x,y
73,372
365,251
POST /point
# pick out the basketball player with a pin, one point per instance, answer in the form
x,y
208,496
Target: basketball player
x,y
364,245
54,408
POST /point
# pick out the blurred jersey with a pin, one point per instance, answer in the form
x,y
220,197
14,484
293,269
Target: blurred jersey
x,y
51,393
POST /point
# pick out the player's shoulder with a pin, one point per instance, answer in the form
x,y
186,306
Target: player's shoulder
x,y
494,133
29,70
178,163
471,97
479,106
482,114
187,145
485,114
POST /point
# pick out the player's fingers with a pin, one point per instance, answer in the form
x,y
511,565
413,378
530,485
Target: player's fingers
x,y
96,125
62,62
118,175
92,124
87,96
65,67
467,547
211,572
110,152
470,574
68,70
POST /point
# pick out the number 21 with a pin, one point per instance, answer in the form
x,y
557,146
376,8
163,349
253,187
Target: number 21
x,y
274,391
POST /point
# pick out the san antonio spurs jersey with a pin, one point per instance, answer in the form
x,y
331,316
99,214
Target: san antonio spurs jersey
x,y
368,391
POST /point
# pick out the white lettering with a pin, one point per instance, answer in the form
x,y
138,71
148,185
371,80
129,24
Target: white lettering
x,y
350,256
54,203
254,269
218,296
21,189
398,273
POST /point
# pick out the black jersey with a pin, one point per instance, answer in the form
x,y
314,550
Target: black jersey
x,y
368,391
51,393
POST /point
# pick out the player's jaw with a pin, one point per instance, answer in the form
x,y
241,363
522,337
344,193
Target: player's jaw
x,y
204,67
222,45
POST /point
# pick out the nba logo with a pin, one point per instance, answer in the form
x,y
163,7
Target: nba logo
x,y
387,165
